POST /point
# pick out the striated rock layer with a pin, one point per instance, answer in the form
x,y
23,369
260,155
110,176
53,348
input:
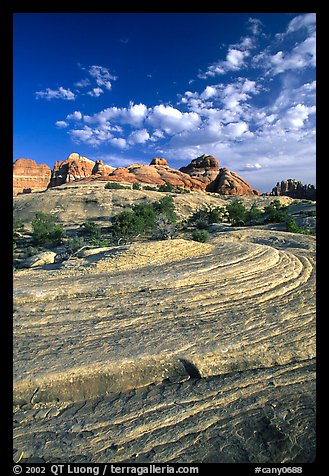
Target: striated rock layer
x,y
204,168
28,176
169,352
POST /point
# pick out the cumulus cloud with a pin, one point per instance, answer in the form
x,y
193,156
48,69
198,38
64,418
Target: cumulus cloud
x,y
172,120
61,124
75,116
235,60
138,137
95,92
60,93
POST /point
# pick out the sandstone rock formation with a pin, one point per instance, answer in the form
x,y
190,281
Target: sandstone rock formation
x,y
73,168
159,161
204,168
155,175
101,169
28,176
230,183
295,189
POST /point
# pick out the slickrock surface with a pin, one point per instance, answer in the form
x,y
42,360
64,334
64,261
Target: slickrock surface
x,y
28,176
171,351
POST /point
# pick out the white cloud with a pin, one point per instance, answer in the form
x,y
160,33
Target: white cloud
x,y
83,83
302,21
61,124
102,76
75,116
138,137
297,115
60,93
171,120
255,26
95,92
235,60
119,142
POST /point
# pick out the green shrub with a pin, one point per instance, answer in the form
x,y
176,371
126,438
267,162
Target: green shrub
x,y
91,229
166,187
126,225
166,206
45,230
292,227
115,186
149,187
137,186
276,212
200,235
237,213
18,225
255,214
146,212
74,244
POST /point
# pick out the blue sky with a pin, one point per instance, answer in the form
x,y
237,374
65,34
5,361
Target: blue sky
x,y
128,87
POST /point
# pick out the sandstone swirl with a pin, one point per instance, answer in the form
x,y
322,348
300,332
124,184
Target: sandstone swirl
x,y
169,352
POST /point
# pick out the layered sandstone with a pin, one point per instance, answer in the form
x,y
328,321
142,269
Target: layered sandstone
x,y
230,183
101,169
73,168
295,189
28,176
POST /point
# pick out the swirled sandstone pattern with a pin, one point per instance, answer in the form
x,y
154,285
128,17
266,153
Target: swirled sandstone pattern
x,y
169,352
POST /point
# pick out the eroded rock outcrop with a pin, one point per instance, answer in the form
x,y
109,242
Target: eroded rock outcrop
x,y
230,183
204,168
294,189
159,161
30,176
101,169
73,168
155,175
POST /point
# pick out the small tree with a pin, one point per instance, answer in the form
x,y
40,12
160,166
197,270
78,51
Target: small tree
x,y
166,206
275,212
45,230
91,229
147,213
166,187
126,225
237,213
137,186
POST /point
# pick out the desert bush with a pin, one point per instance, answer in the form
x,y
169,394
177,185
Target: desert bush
x,y
126,225
255,214
166,206
146,212
115,186
137,186
237,213
200,235
164,228
275,212
149,187
45,230
292,227
18,225
74,244
166,187
91,229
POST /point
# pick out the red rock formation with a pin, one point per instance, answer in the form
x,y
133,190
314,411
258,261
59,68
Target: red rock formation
x,y
101,169
204,168
230,183
30,176
159,161
155,175
73,168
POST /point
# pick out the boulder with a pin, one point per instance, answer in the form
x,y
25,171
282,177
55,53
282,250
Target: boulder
x,y
46,257
230,183
28,176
